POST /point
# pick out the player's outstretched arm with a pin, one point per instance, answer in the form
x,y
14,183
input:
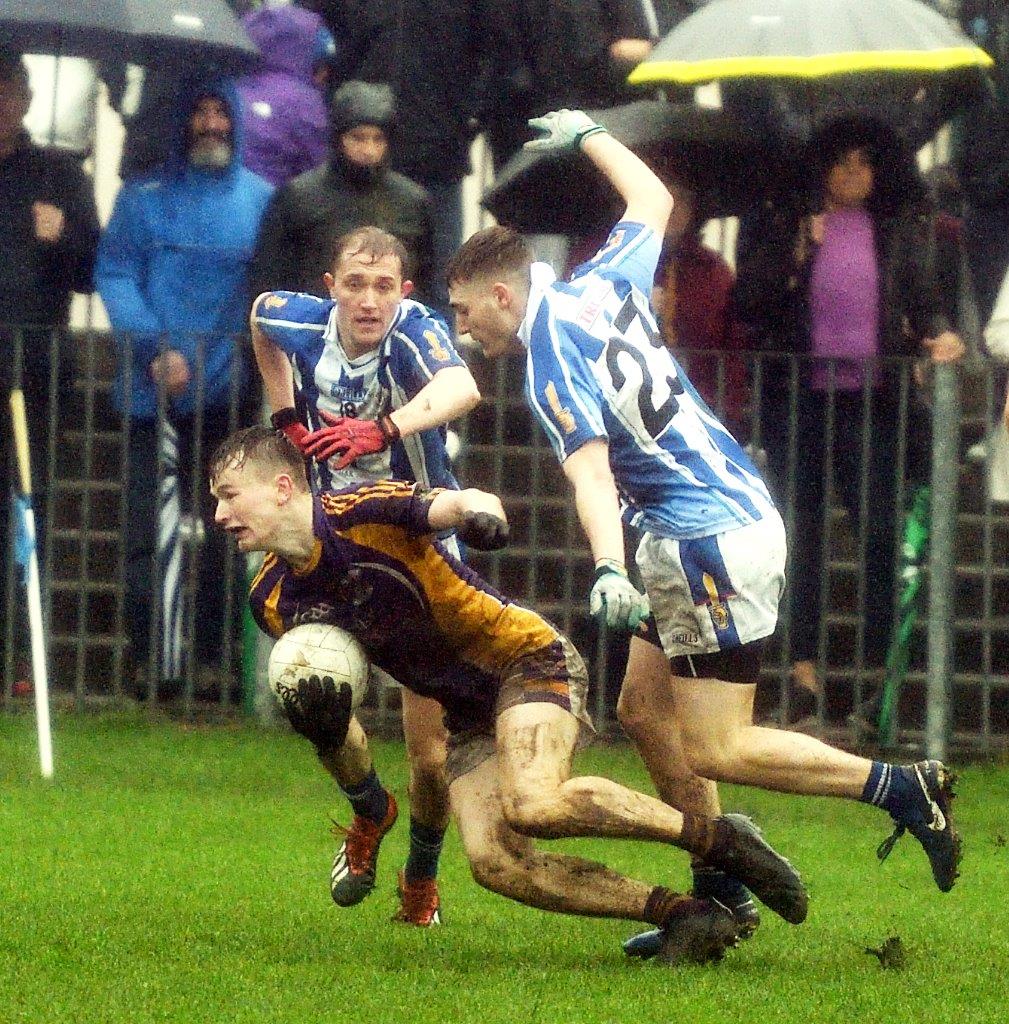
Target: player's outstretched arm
x,y
449,394
648,200
478,517
613,598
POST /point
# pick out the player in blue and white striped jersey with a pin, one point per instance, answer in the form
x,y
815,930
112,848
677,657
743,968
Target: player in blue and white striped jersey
x,y
377,380
633,435
365,354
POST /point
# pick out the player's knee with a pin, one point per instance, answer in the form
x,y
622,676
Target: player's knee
x,y
428,773
709,755
426,751
494,868
536,815
634,718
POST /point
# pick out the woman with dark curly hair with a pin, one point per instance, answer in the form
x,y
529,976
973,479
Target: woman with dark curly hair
x,y
843,275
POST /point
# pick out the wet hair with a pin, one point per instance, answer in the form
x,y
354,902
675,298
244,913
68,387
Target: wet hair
x,y
262,446
496,252
374,243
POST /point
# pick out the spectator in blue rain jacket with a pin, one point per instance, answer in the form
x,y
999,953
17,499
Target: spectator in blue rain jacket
x,y
173,272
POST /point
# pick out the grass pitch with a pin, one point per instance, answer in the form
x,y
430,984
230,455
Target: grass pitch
x,y
179,873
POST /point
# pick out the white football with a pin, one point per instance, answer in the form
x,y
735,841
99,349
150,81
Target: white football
x,y
318,649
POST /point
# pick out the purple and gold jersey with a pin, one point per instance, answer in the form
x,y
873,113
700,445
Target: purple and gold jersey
x,y
420,613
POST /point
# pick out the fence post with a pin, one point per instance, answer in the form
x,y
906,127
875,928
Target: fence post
x,y
942,557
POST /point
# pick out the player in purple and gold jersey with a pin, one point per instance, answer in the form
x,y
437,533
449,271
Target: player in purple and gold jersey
x,y
512,687
376,379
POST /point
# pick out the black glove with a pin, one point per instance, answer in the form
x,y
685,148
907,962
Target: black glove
x,y
482,531
319,710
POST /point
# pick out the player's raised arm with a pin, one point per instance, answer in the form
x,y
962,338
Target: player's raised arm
x,y
648,200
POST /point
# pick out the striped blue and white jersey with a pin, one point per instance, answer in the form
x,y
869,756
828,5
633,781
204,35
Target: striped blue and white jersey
x,y
597,368
414,349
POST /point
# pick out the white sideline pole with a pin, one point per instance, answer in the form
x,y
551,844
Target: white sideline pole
x,y
40,679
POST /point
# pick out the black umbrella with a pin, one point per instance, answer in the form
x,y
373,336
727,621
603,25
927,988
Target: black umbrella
x,y
709,150
142,31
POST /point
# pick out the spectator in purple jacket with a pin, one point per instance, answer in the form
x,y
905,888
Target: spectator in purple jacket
x,y
285,122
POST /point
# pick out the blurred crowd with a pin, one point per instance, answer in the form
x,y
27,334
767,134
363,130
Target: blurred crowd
x,y
364,114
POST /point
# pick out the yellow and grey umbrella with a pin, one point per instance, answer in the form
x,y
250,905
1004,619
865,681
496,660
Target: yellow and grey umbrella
x,y
808,39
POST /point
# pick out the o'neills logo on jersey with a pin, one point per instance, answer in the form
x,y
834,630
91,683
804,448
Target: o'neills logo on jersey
x,y
274,301
438,350
588,313
348,389
313,613
563,415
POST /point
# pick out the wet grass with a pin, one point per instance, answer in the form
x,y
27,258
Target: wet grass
x,y
175,873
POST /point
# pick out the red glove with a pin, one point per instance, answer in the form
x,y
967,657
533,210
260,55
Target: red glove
x,y
287,422
350,438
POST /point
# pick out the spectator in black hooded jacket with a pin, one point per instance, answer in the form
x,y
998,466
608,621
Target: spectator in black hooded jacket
x,y
354,188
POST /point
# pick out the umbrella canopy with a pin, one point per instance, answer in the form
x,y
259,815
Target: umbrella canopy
x,y
141,31
807,39
794,64
563,193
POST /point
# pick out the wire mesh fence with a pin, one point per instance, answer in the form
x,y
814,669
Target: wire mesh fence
x,y
140,588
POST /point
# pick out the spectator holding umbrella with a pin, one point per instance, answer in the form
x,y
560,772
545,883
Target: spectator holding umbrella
x,y
847,276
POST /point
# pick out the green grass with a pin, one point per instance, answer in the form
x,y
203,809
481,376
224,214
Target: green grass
x,y
176,873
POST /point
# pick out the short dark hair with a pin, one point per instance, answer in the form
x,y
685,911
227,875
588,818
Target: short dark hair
x,y
374,243
493,252
259,444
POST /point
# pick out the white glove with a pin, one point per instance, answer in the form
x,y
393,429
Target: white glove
x,y
565,129
615,601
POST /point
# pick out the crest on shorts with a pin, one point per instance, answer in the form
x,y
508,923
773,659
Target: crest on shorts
x,y
720,615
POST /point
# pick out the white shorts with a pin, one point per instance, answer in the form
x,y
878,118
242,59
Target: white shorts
x,y
715,593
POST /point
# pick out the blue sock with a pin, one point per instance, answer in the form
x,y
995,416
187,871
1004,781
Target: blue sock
x,y
425,849
368,798
891,787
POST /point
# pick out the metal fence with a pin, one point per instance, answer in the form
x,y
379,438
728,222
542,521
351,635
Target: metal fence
x,y
105,555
